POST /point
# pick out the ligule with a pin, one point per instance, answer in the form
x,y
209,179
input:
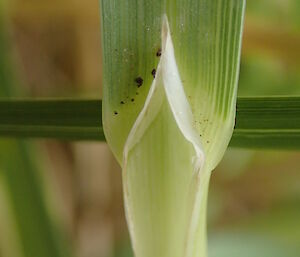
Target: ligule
x,y
174,175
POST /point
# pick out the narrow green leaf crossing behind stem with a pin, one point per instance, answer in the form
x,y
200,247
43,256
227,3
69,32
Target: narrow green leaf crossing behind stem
x,y
262,122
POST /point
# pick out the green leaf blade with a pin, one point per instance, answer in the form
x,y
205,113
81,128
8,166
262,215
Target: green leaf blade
x,y
261,122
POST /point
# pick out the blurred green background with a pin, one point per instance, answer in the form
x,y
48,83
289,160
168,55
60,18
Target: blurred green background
x,y
65,199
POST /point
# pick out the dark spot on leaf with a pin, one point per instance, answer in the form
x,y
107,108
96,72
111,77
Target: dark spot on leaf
x,y
116,113
158,53
139,81
122,102
153,72
132,99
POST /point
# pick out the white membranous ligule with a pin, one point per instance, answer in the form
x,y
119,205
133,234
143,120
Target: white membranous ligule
x,y
166,104
167,79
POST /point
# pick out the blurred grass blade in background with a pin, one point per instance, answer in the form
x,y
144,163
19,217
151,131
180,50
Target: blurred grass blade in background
x,y
34,230
169,97
26,227
261,122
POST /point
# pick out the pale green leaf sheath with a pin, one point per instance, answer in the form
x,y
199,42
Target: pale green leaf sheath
x,y
169,132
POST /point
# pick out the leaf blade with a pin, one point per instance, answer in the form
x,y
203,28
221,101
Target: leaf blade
x,y
261,122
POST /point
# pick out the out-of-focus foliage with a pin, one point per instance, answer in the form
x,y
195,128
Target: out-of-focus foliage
x,y
275,233
267,76
271,53
282,13
26,229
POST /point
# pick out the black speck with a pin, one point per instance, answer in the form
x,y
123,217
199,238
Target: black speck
x,y
158,53
153,72
207,142
132,99
122,102
139,81
116,113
